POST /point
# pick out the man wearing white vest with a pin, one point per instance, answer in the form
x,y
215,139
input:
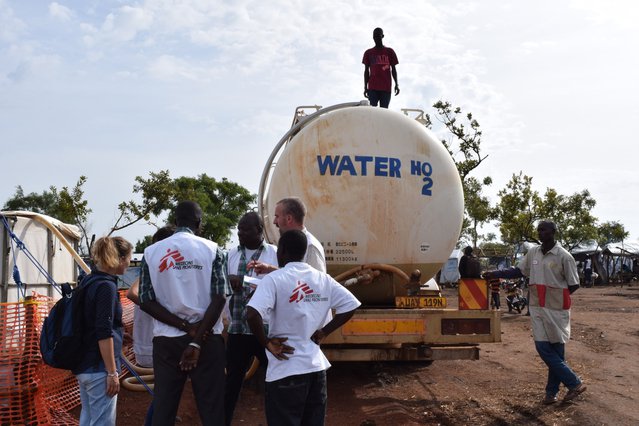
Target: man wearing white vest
x,y
296,299
183,286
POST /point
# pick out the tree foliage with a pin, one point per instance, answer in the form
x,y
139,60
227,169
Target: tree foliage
x,y
463,142
516,210
67,205
478,210
157,194
223,202
520,208
610,232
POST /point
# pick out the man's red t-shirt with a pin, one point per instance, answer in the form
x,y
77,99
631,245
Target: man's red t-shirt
x,y
380,61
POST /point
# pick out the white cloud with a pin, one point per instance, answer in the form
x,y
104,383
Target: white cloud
x,y
10,27
615,13
60,12
226,76
167,67
126,23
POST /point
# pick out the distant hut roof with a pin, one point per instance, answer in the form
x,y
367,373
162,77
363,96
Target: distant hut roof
x,y
622,249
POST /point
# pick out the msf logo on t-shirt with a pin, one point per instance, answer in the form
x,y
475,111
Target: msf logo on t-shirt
x,y
170,259
300,292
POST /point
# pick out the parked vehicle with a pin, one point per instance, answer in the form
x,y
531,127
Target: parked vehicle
x,y
385,199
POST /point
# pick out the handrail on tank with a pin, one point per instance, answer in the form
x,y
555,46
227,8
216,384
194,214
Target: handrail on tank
x,y
268,168
419,117
299,114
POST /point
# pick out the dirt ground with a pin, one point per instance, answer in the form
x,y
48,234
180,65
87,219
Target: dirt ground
x,y
504,387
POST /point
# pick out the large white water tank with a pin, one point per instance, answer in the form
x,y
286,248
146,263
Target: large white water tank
x,y
378,186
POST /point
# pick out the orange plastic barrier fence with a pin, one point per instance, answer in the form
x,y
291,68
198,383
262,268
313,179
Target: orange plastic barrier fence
x,y
30,391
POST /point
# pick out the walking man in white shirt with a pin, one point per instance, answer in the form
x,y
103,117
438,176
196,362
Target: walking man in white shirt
x,y
553,278
297,299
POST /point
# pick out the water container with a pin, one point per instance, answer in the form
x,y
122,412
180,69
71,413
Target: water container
x,y
379,188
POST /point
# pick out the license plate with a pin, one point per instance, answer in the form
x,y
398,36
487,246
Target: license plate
x,y
420,302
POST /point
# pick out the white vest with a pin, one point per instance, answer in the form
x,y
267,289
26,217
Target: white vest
x,y
180,269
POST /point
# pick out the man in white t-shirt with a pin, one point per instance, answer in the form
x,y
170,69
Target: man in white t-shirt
x,y
297,299
241,345
289,214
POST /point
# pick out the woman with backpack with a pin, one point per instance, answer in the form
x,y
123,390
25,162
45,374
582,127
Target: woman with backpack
x,y
98,372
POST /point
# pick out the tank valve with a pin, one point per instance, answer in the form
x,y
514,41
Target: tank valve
x,y
413,284
365,276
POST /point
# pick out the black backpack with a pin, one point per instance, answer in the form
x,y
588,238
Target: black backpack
x,y
62,339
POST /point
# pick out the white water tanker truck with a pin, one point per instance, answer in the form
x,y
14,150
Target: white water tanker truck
x,y
385,199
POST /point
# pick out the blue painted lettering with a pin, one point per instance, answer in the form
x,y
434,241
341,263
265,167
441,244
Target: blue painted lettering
x,y
346,165
363,160
395,165
415,167
337,165
327,162
418,168
381,166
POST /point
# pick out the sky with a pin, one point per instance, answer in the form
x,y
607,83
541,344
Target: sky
x,y
116,89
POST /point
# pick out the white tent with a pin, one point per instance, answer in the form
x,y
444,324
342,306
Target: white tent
x,y
52,244
622,249
450,270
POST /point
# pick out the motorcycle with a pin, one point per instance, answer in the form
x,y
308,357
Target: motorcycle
x,y
515,297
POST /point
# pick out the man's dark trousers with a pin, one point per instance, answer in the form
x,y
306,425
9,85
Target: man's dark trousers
x,y
207,379
241,348
297,400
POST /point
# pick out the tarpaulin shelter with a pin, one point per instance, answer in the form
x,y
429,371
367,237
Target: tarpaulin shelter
x,y
42,248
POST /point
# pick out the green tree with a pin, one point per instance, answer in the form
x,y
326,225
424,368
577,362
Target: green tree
x,y
463,142
67,205
572,215
140,245
157,195
72,204
44,203
520,208
223,203
517,210
478,210
610,232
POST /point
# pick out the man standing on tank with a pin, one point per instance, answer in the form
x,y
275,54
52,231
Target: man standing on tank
x,y
379,64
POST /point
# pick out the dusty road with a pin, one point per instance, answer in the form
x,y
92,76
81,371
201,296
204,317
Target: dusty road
x,y
504,387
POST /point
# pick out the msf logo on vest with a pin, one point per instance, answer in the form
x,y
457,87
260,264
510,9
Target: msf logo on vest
x,y
170,259
173,259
